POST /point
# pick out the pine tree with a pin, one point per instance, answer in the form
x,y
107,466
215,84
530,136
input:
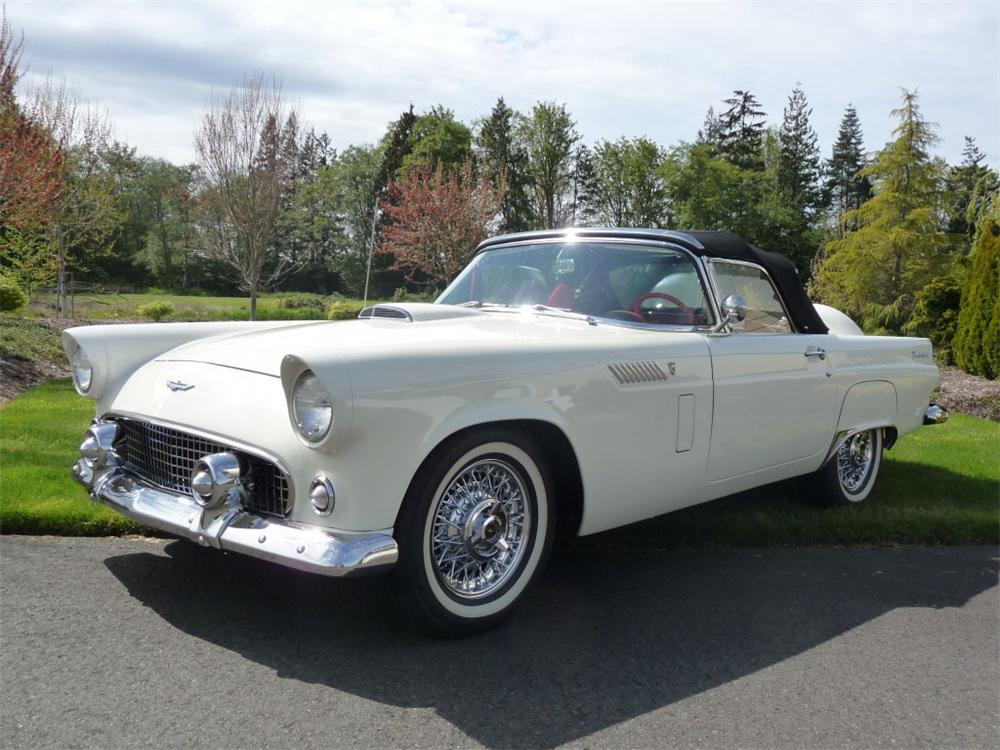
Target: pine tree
x,y
798,168
962,183
846,188
502,157
710,134
742,133
874,271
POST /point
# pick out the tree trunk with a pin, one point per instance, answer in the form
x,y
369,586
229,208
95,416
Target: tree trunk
x,y
253,302
61,282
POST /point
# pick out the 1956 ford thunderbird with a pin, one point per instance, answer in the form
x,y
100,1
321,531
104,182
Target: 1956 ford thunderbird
x,y
580,379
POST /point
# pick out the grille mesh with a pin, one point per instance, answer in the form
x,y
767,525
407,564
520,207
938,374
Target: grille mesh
x,y
166,457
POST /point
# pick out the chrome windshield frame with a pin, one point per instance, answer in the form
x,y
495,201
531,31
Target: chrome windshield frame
x,y
653,243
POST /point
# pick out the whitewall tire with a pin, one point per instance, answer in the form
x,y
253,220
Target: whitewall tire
x,y
850,474
474,530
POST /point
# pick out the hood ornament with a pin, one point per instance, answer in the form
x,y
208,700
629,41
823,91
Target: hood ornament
x,y
178,385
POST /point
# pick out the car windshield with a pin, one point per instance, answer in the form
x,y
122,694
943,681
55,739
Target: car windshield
x,y
614,280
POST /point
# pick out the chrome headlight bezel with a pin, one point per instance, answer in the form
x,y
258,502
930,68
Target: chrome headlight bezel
x,y
83,371
311,408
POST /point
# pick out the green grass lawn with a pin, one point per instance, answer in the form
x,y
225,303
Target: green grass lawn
x,y
940,485
270,306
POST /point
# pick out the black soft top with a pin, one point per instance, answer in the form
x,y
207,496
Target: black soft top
x,y
706,244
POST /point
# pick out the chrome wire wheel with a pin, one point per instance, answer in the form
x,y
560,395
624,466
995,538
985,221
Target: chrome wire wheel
x,y
480,529
855,459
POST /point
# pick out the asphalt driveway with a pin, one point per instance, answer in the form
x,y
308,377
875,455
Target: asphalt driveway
x,y
134,642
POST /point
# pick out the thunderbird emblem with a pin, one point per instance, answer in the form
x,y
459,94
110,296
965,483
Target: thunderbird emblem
x,y
177,385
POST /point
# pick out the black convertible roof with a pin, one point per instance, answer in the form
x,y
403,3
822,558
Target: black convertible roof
x,y
706,244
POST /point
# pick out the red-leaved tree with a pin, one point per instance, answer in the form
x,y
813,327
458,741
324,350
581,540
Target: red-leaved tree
x,y
435,220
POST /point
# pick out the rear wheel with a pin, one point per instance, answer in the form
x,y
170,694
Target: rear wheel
x,y
474,529
849,476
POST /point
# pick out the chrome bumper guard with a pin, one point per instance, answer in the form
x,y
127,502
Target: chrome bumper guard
x,y
300,546
935,414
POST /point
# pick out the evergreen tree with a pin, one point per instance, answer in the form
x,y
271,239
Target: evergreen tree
x,y
503,158
798,168
977,339
874,271
962,182
846,188
710,134
743,131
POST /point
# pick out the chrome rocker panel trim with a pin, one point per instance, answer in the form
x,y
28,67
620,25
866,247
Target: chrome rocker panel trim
x,y
300,546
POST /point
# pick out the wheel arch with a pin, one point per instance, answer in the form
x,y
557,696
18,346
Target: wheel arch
x,y
557,450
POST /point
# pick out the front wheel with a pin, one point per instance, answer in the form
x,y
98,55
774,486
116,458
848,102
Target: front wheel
x,y
849,476
474,529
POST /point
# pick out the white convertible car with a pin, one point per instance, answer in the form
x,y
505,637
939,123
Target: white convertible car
x,y
579,379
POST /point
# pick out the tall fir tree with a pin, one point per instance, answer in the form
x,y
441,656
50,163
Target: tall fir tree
x,y
710,134
846,187
742,135
798,168
962,186
503,158
874,272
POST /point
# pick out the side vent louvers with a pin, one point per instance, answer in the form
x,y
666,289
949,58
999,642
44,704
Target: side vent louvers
x,y
632,373
385,311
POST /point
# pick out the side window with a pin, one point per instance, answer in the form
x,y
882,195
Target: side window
x,y
765,313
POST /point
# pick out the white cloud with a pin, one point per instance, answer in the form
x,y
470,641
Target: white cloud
x,y
622,68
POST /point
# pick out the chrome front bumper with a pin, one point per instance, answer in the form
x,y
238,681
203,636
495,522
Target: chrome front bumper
x,y
299,546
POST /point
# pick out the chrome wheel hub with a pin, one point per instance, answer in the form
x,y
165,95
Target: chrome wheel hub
x,y
480,527
854,460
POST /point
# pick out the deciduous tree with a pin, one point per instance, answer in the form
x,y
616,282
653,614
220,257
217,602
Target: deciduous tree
x,y
245,145
549,134
436,220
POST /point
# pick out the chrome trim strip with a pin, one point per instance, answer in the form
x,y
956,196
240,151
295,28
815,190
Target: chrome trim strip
x,y
295,545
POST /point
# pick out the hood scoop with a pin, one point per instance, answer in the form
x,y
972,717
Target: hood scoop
x,y
385,311
415,312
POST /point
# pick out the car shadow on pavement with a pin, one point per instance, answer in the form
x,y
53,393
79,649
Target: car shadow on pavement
x,y
603,637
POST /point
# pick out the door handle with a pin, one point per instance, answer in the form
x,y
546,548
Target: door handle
x,y
819,351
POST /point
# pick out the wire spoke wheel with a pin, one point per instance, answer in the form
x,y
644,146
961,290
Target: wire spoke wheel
x,y
481,525
855,459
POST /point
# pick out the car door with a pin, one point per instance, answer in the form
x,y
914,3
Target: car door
x,y
774,398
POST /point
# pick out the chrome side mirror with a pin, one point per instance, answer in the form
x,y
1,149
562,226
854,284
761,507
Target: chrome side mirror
x,y
734,310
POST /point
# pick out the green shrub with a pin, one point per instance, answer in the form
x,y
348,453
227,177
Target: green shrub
x,y
935,315
404,295
977,337
11,295
303,300
344,310
156,310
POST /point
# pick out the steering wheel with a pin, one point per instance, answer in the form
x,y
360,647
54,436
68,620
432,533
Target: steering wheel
x,y
635,306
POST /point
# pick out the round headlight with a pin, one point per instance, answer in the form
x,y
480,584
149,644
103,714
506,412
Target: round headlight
x,y
83,371
311,407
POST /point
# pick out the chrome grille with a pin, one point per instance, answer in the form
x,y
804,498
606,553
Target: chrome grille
x,y
166,457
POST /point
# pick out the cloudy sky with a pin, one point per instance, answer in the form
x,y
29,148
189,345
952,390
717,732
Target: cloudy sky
x,y
623,68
